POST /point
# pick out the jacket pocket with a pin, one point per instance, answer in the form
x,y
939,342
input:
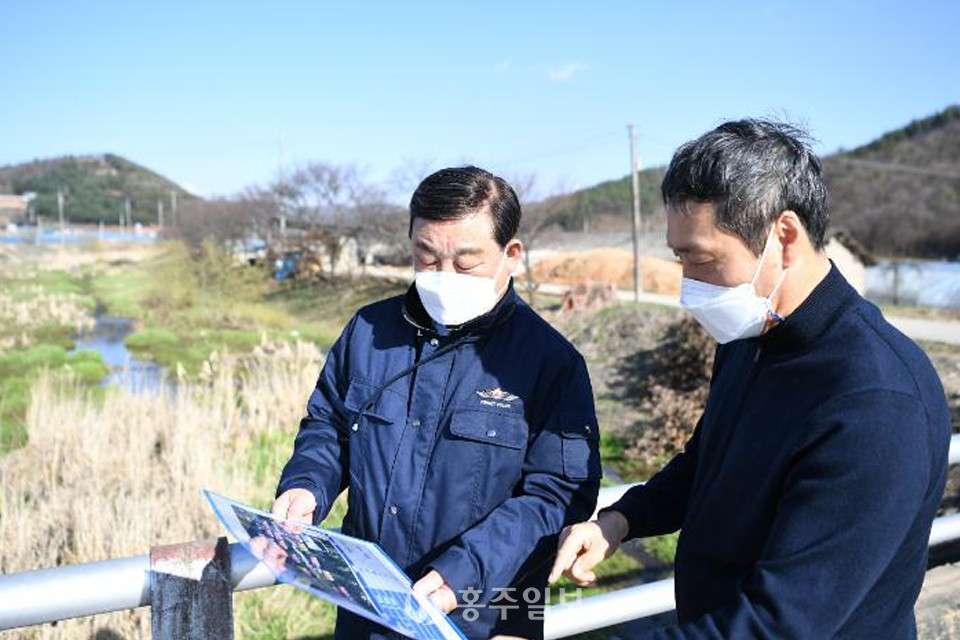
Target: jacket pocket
x,y
580,450
361,392
490,427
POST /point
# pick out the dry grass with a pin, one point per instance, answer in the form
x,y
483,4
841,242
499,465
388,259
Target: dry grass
x,y
107,477
71,257
32,308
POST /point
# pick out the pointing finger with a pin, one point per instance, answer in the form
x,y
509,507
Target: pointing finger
x,y
566,555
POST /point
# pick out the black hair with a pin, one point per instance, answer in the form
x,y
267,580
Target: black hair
x,y
455,192
751,171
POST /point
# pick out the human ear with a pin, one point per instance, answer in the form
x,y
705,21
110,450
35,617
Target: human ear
x,y
791,234
514,252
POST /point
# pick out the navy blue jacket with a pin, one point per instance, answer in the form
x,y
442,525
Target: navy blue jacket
x,y
465,451
806,494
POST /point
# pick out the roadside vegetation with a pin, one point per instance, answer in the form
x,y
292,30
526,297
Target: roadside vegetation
x,y
245,351
90,472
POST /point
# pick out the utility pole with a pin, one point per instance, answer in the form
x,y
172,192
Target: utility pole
x,y
127,208
60,208
173,207
635,187
60,211
160,213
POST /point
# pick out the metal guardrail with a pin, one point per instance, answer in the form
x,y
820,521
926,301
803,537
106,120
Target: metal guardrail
x,y
652,598
59,593
623,605
71,591
644,600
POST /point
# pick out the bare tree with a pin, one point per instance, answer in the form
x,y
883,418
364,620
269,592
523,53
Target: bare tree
x,y
405,178
222,220
539,214
383,230
330,200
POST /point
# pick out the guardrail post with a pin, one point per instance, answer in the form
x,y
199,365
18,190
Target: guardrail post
x,y
190,594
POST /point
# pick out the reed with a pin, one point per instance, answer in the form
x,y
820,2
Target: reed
x,y
109,475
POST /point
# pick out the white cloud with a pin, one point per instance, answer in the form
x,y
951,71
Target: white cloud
x,y
503,66
564,73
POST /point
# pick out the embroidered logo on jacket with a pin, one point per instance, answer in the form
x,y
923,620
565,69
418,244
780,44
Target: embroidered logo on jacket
x,y
496,397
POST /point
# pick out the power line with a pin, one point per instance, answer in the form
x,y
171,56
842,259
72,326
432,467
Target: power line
x,y
893,166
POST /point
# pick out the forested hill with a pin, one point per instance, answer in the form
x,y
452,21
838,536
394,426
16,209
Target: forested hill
x,y
900,194
95,187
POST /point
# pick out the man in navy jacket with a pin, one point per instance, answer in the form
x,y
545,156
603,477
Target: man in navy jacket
x,y
806,494
462,424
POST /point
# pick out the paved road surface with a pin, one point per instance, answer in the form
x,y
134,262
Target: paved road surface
x,y
925,329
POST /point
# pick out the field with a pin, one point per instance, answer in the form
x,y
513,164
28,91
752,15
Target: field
x,y
91,472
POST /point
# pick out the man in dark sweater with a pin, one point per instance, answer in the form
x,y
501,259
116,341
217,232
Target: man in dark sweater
x,y
806,494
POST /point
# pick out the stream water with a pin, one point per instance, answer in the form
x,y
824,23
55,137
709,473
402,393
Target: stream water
x,y
107,338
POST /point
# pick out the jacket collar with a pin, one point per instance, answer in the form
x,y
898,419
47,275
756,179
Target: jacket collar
x,y
815,315
415,313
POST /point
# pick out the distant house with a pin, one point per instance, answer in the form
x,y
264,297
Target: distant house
x,y
851,258
14,208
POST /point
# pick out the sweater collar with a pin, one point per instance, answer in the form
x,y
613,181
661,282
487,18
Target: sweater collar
x,y
415,313
815,315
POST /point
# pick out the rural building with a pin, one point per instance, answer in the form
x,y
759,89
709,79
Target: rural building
x,y
14,208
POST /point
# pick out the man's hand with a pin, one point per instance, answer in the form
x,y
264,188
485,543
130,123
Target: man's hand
x,y
269,553
584,545
295,504
436,588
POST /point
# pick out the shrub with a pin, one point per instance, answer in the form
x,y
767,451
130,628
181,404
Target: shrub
x,y
674,391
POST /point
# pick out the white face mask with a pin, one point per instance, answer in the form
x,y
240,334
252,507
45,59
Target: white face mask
x,y
730,313
453,298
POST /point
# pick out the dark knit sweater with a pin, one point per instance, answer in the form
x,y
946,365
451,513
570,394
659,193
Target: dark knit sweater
x,y
806,494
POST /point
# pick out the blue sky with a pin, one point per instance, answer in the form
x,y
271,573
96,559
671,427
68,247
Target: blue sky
x,y
207,93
